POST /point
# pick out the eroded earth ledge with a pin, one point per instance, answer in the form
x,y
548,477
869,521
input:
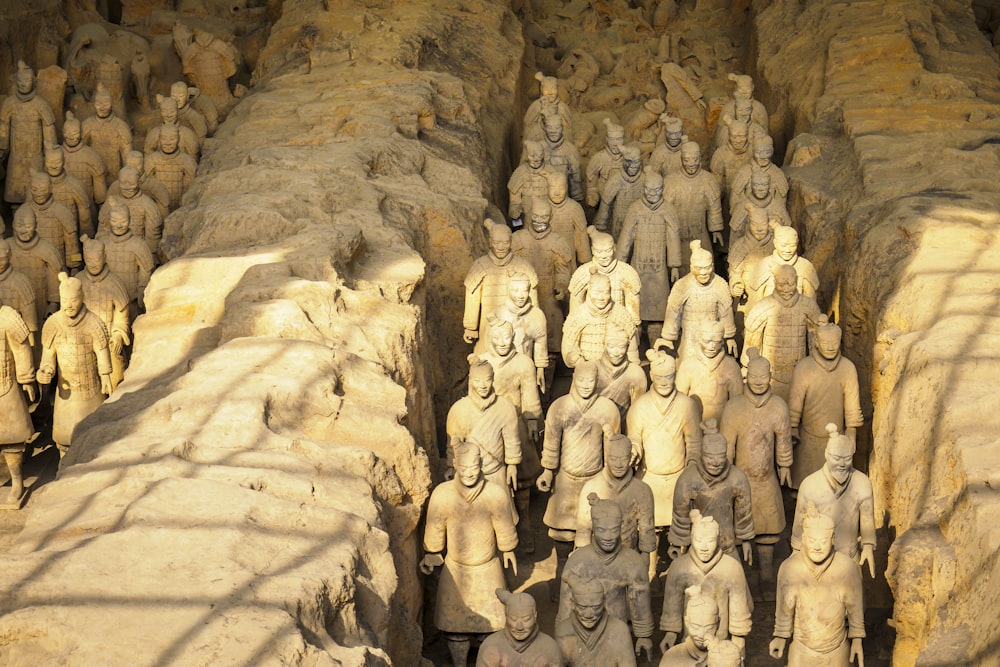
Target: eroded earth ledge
x,y
251,494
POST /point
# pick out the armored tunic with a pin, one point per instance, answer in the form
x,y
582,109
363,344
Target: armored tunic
x,y
745,255
781,331
620,192
805,272
106,297
691,305
602,165
188,116
514,379
625,286
27,123
40,263
586,330
175,170
525,183
570,223
698,201
16,368
667,434
145,220
850,505
741,182
502,650
758,436
530,331
726,163
723,578
70,193
724,497
58,226
711,381
152,188
129,259
111,138
622,383
772,207
666,159
492,425
636,501
552,260
486,290
564,155
608,644
85,165
650,241
16,291
473,525
209,63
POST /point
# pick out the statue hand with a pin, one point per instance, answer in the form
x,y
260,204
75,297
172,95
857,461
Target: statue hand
x,y
717,239
738,290
512,475
29,389
785,476
634,458
868,556
116,343
532,430
669,640
106,385
560,294
740,642
675,552
747,552
664,343
675,275
540,379
429,562
732,347
470,336
644,645
857,652
510,560
777,647
544,482
593,201
45,374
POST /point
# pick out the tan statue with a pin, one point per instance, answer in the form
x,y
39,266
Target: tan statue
x,y
663,427
708,374
547,103
760,196
718,489
519,644
145,221
107,134
528,323
38,260
642,128
696,299
208,62
128,257
74,342
605,162
187,140
623,188
55,222
17,379
724,653
26,125
786,243
744,90
471,520
591,637
625,281
569,221
824,390
747,256
150,187
529,180
819,602
586,329
742,113
756,427
695,194
718,574
16,292
701,625
843,494
552,260
68,191
618,483
619,378
763,150
560,153
83,162
171,166
621,572
105,295
187,116
666,158
730,157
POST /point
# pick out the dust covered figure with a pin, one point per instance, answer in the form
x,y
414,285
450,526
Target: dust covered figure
x,y
519,644
591,637
588,325
701,625
622,189
604,162
625,282
696,195
38,261
17,379
619,378
708,374
27,123
107,134
105,295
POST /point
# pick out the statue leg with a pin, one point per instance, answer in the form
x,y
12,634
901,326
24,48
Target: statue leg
x,y
13,459
765,559
525,531
653,331
458,647
563,550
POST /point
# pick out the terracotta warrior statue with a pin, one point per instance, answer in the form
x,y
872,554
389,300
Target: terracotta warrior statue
x,y
67,190
150,187
758,195
569,221
747,256
54,221
663,427
701,627
17,379
824,390
170,165
105,295
187,139
586,329
729,158
618,483
208,62
743,89
742,113
128,257
189,116
519,644
786,243
666,158
529,180
724,653
763,150
696,195
471,520
708,374
16,292
591,637
622,573
756,427
844,494
625,282
38,260
619,378
623,188
604,162
819,602
528,323
547,103
697,298
560,152
780,326
107,134
718,489
718,574
486,282
83,162
145,220
27,123
650,241
74,342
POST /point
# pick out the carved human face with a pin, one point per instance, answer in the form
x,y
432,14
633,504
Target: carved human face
x,y
119,223
839,460
614,143
41,190
703,271
714,461
762,155
585,382
71,306
758,227
553,130
744,90
54,163
169,138
828,345
691,162
25,81
759,187
541,220
604,253
674,139
102,105
481,382
128,181
534,157
704,543
700,632
180,94
653,194
617,462
743,111
589,615
663,384
549,92
711,344
500,244
607,535
738,137
632,165
502,339
616,349
94,260
817,543
520,625
785,284
786,247
468,471
168,112
71,134
25,227
758,380
519,292
599,293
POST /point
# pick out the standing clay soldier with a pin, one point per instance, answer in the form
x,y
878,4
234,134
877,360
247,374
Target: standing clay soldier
x,y
744,90
547,103
717,489
208,62
621,572
55,222
824,390
755,426
38,260
695,194
107,134
528,323
552,261
17,293
74,342
529,180
758,196
666,159
763,150
171,166
519,644
591,637
618,483
719,576
743,113
605,162
27,123
786,243
586,330
150,187
144,215
663,427
561,153
819,602
187,139
701,625
68,191
128,257
843,494
619,378
188,115
83,162
696,299
728,159
486,282
17,378
568,219
471,519
573,454
105,295
625,282
623,188
708,374
747,255
650,242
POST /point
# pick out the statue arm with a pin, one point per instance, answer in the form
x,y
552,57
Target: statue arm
x,y
473,303
552,442
692,434
853,417
674,251
627,239
154,227
744,513
640,610
713,201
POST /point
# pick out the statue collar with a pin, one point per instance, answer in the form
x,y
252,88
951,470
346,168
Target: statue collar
x,y
700,657
483,404
653,207
664,402
501,262
58,179
711,363
606,270
592,636
45,206
605,556
615,484
521,645
828,365
121,238
705,568
757,401
538,236
777,259
789,302
27,245
75,321
631,179
712,480
470,493
761,203
837,487
818,569
600,312
73,149
520,311
499,362
105,272
583,403
26,97
610,369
